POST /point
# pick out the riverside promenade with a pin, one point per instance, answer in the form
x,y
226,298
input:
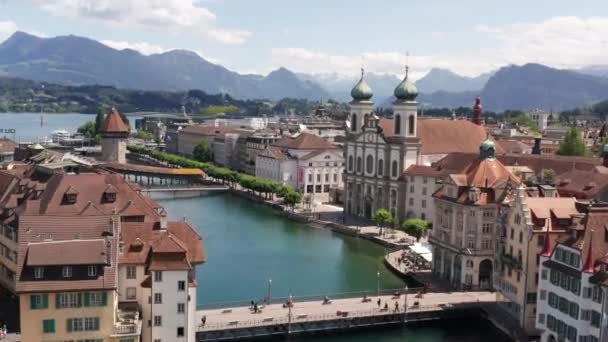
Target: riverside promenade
x,y
238,323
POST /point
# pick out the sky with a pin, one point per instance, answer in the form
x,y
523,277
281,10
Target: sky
x,y
469,37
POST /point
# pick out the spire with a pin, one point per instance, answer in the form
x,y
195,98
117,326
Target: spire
x,y
477,111
406,90
589,266
546,252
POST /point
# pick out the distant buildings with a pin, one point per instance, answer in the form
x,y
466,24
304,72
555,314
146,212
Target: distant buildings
x,y
540,118
306,162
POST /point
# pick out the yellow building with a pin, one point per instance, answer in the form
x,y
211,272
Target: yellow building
x,y
530,219
67,281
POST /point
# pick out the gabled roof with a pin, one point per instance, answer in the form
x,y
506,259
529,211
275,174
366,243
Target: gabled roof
x,y
113,123
305,141
440,136
488,173
69,252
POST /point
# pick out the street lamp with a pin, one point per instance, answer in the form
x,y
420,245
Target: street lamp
x,y
269,287
405,306
378,283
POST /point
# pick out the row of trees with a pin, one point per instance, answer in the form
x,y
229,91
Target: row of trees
x,y
413,226
262,187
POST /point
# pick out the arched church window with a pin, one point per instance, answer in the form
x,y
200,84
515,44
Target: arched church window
x,y
380,167
397,124
394,168
359,164
350,163
353,122
369,163
411,124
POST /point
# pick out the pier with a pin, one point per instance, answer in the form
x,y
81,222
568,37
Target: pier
x,y
316,315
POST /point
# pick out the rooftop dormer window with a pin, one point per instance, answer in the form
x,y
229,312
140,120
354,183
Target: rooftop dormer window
x,y
92,271
70,196
109,197
38,272
66,271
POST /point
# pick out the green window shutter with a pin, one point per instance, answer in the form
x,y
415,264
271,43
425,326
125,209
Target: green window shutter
x,y
96,323
79,299
86,299
45,301
48,326
33,302
57,302
69,325
104,298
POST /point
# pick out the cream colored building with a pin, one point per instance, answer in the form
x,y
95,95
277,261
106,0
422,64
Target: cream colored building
x,y
529,219
467,206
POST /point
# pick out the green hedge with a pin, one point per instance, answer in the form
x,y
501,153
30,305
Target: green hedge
x,y
260,185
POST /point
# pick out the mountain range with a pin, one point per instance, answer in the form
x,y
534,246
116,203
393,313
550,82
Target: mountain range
x,y
72,60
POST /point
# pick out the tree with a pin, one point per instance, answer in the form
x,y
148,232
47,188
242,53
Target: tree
x,y
202,152
144,135
99,118
548,176
382,217
573,144
88,129
292,198
415,227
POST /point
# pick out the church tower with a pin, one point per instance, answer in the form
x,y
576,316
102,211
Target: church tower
x,y
361,105
114,135
405,120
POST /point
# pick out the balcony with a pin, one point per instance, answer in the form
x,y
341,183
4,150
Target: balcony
x,y
128,321
511,261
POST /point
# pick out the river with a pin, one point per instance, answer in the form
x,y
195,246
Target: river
x,y
247,244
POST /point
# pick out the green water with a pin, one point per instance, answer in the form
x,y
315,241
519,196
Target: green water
x,y
246,244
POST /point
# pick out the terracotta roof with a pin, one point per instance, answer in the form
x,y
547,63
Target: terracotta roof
x,y
305,141
7,145
89,188
113,123
488,173
423,170
37,230
274,153
513,146
140,239
319,152
69,252
582,184
440,136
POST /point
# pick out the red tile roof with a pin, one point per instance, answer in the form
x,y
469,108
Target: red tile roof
x,y
69,252
488,173
305,141
113,123
7,145
439,136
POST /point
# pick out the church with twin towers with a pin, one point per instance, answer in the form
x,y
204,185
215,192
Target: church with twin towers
x,y
387,159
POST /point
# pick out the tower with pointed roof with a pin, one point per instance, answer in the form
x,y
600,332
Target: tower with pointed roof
x,y
405,108
114,135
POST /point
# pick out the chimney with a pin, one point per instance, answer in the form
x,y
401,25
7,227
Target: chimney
x,y
477,111
536,149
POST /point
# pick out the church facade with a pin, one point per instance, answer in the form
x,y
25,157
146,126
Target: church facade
x,y
375,158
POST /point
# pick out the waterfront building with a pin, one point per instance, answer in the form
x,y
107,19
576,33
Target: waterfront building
x,y
7,149
150,277
249,145
224,148
572,301
305,162
114,136
467,207
190,136
379,151
533,215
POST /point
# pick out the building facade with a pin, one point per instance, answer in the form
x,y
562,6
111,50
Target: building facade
x,y
467,208
572,304
114,136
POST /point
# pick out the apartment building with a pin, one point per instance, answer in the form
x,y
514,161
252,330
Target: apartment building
x,y
572,304
467,207
528,219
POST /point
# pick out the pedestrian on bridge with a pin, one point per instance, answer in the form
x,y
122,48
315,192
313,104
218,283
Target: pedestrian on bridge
x,y
396,306
379,302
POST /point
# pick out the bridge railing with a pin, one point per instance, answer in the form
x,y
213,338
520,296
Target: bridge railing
x,y
304,318
306,298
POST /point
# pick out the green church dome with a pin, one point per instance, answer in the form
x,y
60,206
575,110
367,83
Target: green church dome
x,y
487,149
406,90
362,91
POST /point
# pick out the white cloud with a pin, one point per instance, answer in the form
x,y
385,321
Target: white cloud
x,y
562,42
171,15
7,28
143,47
